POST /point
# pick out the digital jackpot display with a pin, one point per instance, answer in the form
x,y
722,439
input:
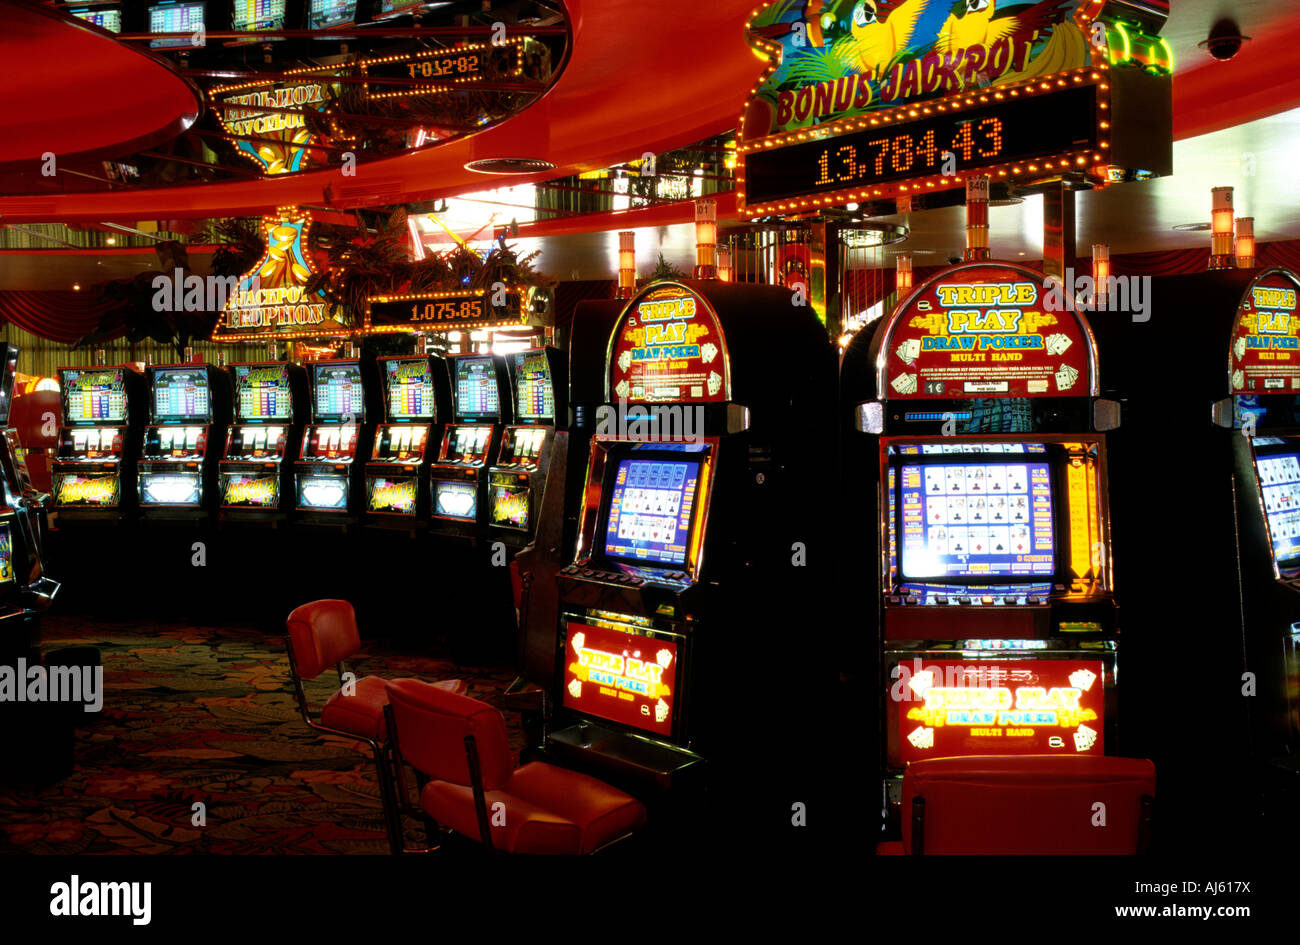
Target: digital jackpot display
x,y
458,500
397,496
1012,707
175,18
338,389
262,392
438,69
476,387
410,389
534,393
624,677
1279,482
180,393
650,510
93,395
250,490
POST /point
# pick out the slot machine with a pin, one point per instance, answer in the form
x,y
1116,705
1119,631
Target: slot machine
x,y
256,472
189,406
397,475
480,398
330,471
94,469
975,437
699,484
517,482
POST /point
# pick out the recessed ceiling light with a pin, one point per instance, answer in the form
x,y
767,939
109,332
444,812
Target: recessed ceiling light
x,y
76,287
1192,227
509,166
1006,201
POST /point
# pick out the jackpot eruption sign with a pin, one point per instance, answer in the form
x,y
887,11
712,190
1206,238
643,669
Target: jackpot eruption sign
x,y
621,677
668,348
270,123
1265,353
982,331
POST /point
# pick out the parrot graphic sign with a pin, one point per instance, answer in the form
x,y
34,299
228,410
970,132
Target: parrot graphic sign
x,y
835,59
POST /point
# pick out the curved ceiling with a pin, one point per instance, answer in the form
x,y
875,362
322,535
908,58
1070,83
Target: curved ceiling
x,y
72,90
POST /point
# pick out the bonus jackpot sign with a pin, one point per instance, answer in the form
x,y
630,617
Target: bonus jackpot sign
x,y
986,331
668,347
1017,707
1265,353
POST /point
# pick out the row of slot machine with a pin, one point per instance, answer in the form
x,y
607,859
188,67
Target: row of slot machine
x,y
457,444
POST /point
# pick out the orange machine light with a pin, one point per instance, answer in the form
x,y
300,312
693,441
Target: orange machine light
x,y
706,239
1101,272
626,264
1245,242
1221,229
903,273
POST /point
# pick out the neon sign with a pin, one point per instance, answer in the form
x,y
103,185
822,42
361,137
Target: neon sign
x,y
619,676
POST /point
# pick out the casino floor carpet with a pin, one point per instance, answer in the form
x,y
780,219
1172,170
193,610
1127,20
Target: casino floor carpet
x,y
207,714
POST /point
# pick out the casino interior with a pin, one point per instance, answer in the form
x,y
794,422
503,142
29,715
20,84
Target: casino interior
x,y
510,426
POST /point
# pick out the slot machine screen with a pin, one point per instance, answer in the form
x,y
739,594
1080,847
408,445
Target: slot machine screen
x,y
650,510
388,8
170,488
976,517
323,492
338,390
410,389
476,387
624,677
392,495
109,19
93,394
534,395
1279,485
262,392
527,444
254,15
458,500
327,13
509,503
250,491
468,443
6,555
175,18
180,394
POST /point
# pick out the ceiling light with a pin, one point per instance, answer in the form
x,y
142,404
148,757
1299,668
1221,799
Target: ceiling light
x,y
509,166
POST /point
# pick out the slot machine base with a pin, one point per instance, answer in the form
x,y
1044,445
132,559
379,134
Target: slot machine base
x,y
627,758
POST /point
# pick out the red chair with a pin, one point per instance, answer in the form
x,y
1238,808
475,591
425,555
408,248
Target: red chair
x,y
469,782
1027,804
324,633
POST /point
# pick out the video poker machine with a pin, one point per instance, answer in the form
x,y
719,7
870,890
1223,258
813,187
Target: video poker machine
x,y
517,482
256,473
189,414
458,480
977,442
416,403
94,469
329,476
702,492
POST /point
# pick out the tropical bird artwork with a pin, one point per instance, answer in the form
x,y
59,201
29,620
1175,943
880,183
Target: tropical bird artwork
x,y
976,23
877,41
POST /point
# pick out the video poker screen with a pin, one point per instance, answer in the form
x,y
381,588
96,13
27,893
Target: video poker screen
x,y
262,392
650,510
534,393
975,519
180,393
338,390
93,394
1279,485
476,388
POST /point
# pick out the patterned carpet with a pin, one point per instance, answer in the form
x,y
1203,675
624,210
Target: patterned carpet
x,y
207,714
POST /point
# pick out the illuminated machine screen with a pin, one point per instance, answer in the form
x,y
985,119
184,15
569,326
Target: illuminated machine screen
x,y
534,395
257,15
93,395
170,488
527,444
262,392
327,13
650,510
1279,483
457,500
509,503
110,19
1012,707
175,18
476,387
388,8
250,490
389,495
180,393
323,492
400,441
76,489
624,677
410,389
976,519
6,555
467,443
338,391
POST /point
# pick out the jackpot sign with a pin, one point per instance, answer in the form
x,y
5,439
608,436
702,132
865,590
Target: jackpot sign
x,y
622,677
983,332
667,347
269,122
1265,353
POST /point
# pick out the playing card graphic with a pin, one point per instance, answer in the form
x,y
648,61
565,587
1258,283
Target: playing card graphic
x,y
625,359
921,737
904,383
908,350
1239,347
621,388
1083,679
1057,343
708,352
1084,738
1065,377
1238,379
715,382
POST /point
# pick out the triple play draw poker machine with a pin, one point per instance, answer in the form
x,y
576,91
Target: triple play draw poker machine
x,y
94,468
687,585
480,398
329,475
978,423
189,413
416,399
517,481
256,473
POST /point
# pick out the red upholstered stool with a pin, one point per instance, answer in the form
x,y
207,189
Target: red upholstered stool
x,y
458,745
323,634
1027,804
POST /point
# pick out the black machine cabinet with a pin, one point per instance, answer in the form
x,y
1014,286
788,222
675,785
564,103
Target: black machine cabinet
x,y
255,476
329,476
189,418
94,468
482,403
416,405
